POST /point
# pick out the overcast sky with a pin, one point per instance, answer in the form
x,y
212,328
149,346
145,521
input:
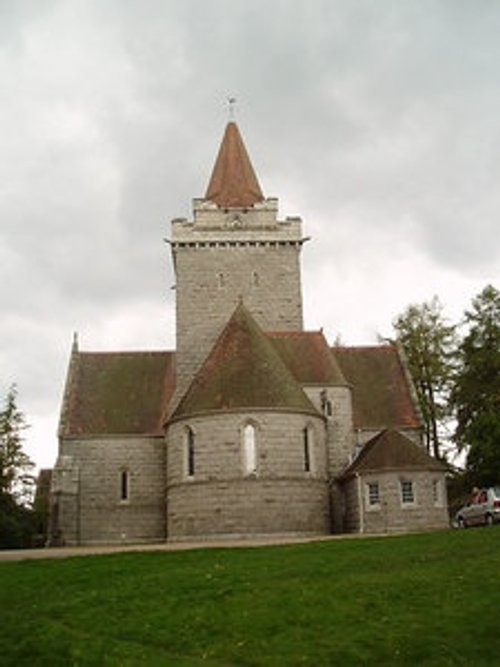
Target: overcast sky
x,y
377,122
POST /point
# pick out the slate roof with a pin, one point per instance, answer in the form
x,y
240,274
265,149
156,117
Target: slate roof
x,y
129,392
380,392
243,370
307,355
117,393
391,450
233,181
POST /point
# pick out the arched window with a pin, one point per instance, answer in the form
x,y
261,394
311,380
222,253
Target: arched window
x,y
308,443
326,404
189,446
249,450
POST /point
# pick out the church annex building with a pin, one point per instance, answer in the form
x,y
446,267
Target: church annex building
x,y
253,426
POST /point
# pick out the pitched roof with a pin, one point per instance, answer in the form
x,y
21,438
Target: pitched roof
x,y
233,181
243,370
380,392
307,355
117,393
391,450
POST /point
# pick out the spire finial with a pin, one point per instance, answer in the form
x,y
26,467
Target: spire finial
x,y
231,103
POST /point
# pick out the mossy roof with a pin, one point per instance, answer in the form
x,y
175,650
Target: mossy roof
x,y
117,393
307,355
391,450
381,396
243,370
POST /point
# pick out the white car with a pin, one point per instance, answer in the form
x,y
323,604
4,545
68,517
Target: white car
x,y
482,509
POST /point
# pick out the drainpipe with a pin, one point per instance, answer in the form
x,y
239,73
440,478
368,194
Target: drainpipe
x,y
360,503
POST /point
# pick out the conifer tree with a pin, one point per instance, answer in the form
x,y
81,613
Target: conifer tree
x,y
15,464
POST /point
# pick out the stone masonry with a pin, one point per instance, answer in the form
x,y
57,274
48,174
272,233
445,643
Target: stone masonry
x,y
225,256
252,426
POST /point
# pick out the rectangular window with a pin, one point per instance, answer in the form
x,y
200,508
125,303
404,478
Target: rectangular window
x,y
407,493
373,494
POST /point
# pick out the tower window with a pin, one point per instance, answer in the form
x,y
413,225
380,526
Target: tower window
x,y
221,281
255,279
249,450
190,452
124,485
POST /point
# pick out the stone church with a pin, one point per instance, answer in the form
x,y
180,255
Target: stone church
x,y
253,426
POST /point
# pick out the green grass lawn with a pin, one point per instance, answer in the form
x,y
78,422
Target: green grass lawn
x,y
411,600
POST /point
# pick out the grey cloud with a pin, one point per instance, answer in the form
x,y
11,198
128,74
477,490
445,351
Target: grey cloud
x,y
377,122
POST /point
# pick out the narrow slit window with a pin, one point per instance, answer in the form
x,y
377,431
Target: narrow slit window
x,y
307,451
124,485
190,453
308,445
249,450
255,279
326,404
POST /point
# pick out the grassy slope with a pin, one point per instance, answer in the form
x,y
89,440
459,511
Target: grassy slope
x,y
417,600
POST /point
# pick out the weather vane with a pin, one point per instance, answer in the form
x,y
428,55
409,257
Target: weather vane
x,y
231,103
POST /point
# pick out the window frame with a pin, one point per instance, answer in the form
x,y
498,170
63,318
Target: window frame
x,y
249,449
404,486
189,453
124,486
308,439
373,495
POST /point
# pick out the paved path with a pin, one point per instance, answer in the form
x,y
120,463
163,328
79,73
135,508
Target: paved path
x,y
67,552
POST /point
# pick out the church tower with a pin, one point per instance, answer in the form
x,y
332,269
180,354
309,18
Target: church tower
x,y
235,249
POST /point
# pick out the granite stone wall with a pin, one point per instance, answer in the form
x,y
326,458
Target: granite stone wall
x,y
218,261
87,490
221,498
428,511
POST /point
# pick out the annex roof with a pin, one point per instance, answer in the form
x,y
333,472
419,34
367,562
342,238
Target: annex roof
x,y
243,370
391,450
307,355
117,393
233,182
380,388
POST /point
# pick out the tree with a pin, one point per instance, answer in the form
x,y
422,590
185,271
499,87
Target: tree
x,y
476,394
15,464
16,482
429,343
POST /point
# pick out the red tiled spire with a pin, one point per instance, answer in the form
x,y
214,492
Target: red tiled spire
x,y
233,182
